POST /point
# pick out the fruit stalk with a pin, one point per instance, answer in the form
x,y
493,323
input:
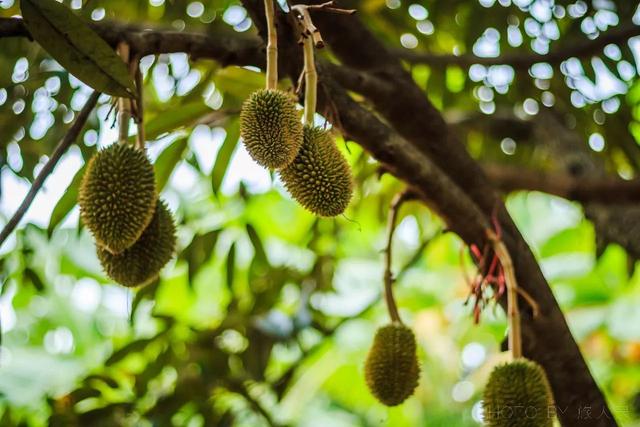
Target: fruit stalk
x,y
272,46
513,313
124,104
388,275
311,82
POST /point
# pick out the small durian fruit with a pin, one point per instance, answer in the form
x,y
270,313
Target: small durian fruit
x,y
117,196
391,370
320,177
142,262
518,395
270,128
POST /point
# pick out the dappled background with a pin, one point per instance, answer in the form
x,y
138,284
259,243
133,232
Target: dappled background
x,y
266,314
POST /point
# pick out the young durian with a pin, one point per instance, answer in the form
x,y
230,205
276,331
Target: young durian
x,y
518,395
270,128
391,370
319,178
117,196
141,263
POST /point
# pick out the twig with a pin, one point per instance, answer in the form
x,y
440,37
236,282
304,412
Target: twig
x,y
388,275
272,45
513,314
306,25
242,391
60,149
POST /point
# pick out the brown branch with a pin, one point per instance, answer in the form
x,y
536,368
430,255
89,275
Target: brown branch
x,y
404,106
46,170
584,190
522,61
225,49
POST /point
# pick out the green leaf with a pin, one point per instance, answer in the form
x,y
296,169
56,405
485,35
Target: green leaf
x,y
177,118
260,253
224,155
82,52
168,160
34,278
199,251
231,264
239,82
66,202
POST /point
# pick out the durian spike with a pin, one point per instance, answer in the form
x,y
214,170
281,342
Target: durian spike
x,y
272,46
513,313
311,82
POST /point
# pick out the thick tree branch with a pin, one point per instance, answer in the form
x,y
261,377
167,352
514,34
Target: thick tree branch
x,y
225,49
522,61
584,190
46,170
403,104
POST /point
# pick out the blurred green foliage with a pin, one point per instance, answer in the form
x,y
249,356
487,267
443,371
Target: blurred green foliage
x,y
266,314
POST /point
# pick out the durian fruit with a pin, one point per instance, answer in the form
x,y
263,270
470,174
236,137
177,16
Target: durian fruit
x,y
518,395
270,128
391,370
319,178
117,196
141,263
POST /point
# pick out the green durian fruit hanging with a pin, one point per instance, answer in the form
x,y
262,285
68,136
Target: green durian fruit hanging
x,y
142,262
320,177
270,128
518,395
117,196
391,370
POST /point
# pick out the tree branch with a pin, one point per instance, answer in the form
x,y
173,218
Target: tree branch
x,y
225,49
583,190
60,149
522,61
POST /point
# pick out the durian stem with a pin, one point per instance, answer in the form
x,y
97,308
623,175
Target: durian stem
x,y
388,275
513,313
141,137
272,45
124,104
310,83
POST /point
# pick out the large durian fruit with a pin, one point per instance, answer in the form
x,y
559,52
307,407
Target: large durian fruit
x,y
392,371
270,128
117,196
142,262
518,395
319,178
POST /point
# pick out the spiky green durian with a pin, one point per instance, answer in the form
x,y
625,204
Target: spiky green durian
x,y
117,196
518,395
270,128
141,263
319,178
391,370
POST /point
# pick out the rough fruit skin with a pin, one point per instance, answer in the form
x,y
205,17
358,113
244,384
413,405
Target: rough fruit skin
x,y
391,370
117,196
270,128
319,178
518,395
141,263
